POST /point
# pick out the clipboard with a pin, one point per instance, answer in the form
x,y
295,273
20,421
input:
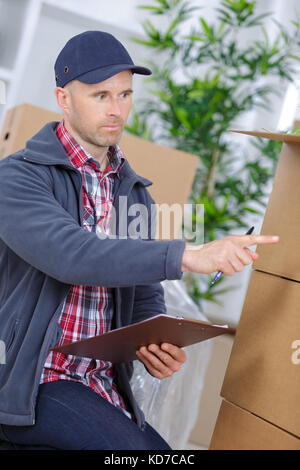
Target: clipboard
x,y
120,345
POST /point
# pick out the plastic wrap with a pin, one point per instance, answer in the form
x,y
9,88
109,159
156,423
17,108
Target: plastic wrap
x,y
171,405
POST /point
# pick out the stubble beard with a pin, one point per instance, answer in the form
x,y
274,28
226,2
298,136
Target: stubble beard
x,y
106,140
100,137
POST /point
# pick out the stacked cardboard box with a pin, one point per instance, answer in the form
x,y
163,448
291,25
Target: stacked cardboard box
x,y
22,122
171,171
261,388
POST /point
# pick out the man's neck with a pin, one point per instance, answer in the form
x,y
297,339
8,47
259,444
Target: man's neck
x,y
98,153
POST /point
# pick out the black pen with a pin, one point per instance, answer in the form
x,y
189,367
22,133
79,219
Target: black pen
x,y
220,273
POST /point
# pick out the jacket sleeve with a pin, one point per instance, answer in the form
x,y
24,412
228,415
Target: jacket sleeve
x,y
148,302
39,230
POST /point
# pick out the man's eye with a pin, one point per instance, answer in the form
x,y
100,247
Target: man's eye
x,y
100,97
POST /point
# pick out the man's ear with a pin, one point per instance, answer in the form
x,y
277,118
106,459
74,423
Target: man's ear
x,y
63,98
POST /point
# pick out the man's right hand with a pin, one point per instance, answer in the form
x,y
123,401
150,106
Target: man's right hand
x,y
229,255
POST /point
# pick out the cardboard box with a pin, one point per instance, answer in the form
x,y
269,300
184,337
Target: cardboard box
x,y
21,123
237,429
263,374
262,379
171,171
282,215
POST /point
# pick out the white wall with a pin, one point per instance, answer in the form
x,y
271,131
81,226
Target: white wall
x,y
32,33
120,14
54,29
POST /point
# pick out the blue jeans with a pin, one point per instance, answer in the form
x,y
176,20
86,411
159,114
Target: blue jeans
x,y
71,416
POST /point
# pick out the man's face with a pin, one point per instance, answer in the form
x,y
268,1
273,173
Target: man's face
x,y
97,113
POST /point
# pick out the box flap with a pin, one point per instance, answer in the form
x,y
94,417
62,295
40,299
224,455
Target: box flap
x,y
270,135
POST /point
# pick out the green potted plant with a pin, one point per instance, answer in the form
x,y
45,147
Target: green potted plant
x,y
224,78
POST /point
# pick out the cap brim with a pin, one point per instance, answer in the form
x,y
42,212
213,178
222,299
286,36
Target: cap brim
x,y
103,73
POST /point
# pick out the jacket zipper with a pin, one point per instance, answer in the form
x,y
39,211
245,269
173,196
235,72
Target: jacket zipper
x,y
50,327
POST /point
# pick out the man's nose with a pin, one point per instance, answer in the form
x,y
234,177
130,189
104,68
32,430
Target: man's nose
x,y
114,107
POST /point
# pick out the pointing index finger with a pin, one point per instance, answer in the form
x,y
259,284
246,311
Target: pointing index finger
x,y
249,240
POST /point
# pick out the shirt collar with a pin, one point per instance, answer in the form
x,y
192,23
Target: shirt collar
x,y
78,156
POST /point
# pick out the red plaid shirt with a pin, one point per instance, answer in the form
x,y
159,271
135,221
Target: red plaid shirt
x,y
88,310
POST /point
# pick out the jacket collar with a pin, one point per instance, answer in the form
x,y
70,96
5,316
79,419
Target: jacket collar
x,y
44,148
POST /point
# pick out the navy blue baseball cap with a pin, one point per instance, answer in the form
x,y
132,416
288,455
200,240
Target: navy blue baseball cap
x,y
92,57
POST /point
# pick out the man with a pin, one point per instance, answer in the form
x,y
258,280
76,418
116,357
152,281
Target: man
x,y
61,281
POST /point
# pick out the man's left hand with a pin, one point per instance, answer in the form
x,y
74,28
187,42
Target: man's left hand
x,y
161,361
